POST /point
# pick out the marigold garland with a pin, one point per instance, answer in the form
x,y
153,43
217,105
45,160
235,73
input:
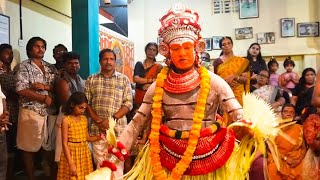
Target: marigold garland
x,y
198,116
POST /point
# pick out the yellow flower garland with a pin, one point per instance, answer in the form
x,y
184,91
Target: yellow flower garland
x,y
198,115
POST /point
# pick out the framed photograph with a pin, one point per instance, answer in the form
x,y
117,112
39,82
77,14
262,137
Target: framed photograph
x,y
287,27
159,40
208,43
215,42
244,33
248,9
4,29
266,38
308,29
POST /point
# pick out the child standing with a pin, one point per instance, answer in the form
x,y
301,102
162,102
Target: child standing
x,y
289,79
75,161
273,66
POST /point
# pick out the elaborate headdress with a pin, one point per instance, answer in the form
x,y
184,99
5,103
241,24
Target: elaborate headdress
x,y
180,22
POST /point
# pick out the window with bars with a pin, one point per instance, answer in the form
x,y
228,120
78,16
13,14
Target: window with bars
x,y
225,6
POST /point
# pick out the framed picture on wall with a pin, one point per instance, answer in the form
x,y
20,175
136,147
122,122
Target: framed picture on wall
x,y
308,29
244,33
287,27
208,43
248,9
4,29
266,38
159,40
215,42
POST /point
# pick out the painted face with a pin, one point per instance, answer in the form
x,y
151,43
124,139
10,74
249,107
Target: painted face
x,y
254,50
288,112
226,45
38,50
72,66
263,78
80,109
182,54
310,77
151,52
6,56
108,62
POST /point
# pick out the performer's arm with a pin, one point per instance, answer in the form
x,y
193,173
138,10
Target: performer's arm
x,y
129,136
227,99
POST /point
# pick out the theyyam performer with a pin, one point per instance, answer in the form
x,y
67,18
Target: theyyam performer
x,y
186,140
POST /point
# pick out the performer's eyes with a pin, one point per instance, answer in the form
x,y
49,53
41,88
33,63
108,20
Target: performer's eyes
x,y
175,47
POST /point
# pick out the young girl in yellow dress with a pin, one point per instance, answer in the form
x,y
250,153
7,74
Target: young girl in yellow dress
x,y
75,161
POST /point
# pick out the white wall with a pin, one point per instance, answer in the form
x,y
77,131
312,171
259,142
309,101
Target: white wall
x,y
37,24
270,13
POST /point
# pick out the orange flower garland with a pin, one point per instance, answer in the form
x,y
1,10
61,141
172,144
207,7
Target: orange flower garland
x,y
198,115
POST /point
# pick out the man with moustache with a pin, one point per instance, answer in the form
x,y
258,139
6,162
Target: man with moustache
x,y
34,85
70,83
109,96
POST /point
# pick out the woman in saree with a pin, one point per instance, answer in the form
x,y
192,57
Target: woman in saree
x,y
145,72
257,63
303,91
233,69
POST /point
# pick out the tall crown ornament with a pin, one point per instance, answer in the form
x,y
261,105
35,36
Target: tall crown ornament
x,y
180,23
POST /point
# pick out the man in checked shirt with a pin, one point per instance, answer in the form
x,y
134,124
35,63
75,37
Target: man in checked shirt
x,y
109,96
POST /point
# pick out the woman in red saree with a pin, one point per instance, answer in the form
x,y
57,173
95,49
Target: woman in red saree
x,y
146,72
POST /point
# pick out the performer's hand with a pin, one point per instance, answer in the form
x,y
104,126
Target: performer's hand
x,y
73,169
